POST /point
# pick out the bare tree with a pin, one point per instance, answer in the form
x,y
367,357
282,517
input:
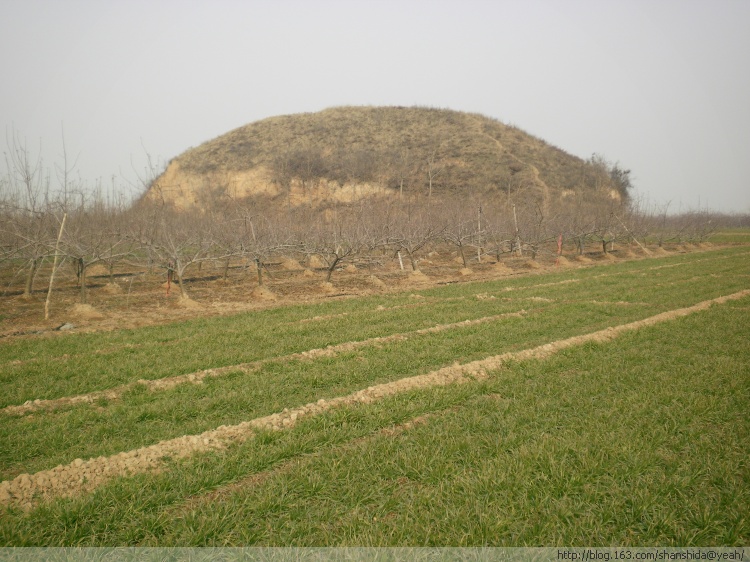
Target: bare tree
x,y
175,240
31,225
411,231
434,168
95,234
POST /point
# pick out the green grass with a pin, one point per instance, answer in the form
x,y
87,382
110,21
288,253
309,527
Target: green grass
x,y
642,441
731,236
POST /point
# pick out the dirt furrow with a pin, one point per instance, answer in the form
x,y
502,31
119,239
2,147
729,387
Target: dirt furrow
x,y
198,377
81,476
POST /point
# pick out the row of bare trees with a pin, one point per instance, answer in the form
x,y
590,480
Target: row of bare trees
x,y
77,226
158,236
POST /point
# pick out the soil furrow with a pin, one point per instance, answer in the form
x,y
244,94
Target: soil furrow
x,y
81,476
198,377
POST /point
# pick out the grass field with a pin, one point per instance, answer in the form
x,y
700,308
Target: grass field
x,y
731,236
643,440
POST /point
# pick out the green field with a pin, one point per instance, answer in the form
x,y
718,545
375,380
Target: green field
x,y
643,440
731,236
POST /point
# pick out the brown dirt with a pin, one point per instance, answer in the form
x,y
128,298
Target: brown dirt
x,y
314,262
501,269
85,312
112,289
465,271
375,282
327,288
289,264
97,270
582,259
81,476
188,303
532,264
262,293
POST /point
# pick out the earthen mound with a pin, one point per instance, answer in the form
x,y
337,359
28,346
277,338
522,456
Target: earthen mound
x,y
263,294
85,312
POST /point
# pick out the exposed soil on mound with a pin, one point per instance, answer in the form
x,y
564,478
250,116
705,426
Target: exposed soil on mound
x,y
112,289
188,303
290,265
314,262
375,282
85,312
327,288
501,269
262,293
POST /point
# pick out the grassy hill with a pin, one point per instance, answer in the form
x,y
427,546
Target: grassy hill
x,y
345,152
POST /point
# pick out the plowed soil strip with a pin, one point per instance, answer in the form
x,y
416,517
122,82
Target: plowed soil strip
x,y
198,377
83,476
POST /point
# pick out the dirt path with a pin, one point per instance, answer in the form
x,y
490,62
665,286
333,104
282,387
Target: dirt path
x,y
198,377
81,476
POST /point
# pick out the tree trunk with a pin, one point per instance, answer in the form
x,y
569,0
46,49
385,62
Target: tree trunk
x,y
30,277
331,268
463,257
413,261
179,270
84,297
226,269
259,267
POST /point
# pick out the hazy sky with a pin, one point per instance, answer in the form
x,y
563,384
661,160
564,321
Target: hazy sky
x,y
662,86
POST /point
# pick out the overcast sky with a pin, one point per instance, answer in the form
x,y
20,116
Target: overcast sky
x,y
662,86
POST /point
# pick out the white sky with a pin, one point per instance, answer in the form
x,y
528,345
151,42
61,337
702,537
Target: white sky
x,y
662,86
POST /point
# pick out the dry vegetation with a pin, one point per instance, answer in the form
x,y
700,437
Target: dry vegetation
x,y
385,150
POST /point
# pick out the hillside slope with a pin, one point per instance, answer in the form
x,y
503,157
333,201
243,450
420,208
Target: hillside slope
x,y
346,152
